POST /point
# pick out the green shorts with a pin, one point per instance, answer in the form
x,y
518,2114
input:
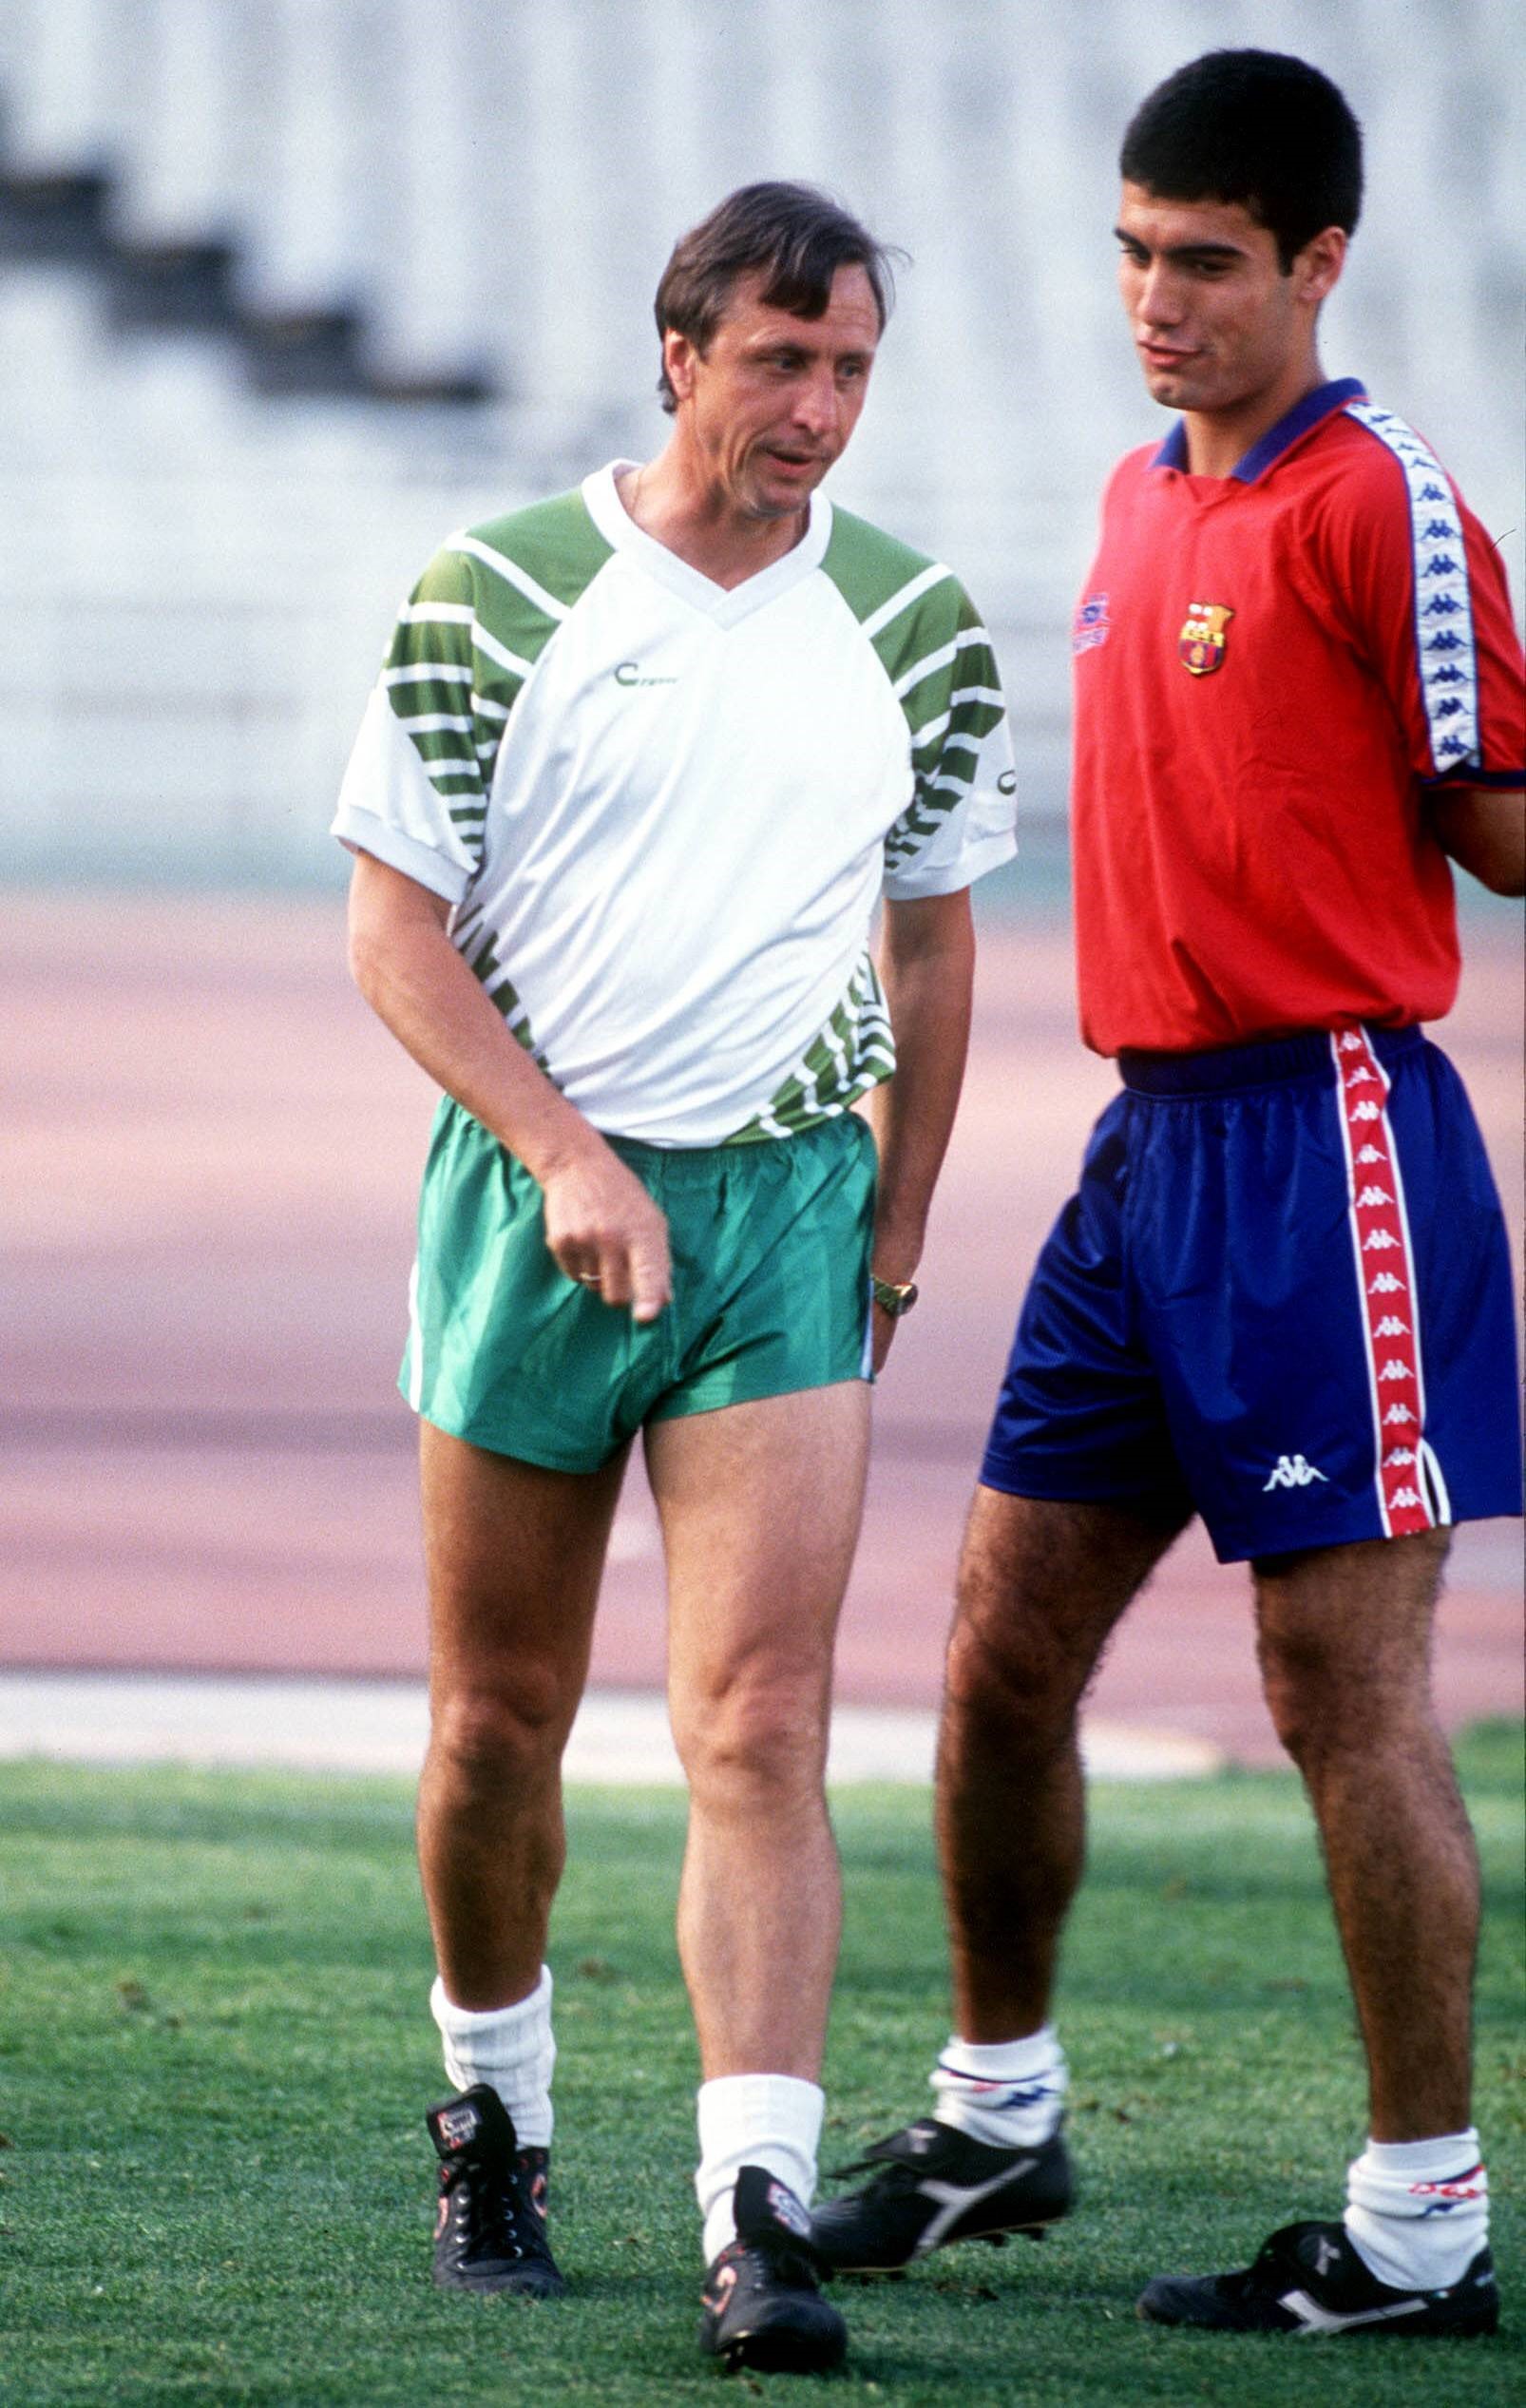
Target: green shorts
x,y
771,1291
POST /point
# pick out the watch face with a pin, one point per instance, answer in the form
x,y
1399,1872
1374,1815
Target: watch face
x,y
894,1298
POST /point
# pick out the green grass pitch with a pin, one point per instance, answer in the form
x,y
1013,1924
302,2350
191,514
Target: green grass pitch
x,y
215,2053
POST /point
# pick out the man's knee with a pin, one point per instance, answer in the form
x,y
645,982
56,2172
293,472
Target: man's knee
x,y
1343,1638
753,1740
1018,1656
505,1731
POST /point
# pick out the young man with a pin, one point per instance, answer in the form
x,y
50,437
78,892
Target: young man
x,y
641,762
1281,1297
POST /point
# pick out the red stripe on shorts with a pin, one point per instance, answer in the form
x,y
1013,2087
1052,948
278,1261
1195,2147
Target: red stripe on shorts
x,y
1385,1273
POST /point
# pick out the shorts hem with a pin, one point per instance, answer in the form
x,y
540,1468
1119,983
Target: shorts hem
x,y
684,1407
1235,1548
543,1457
1074,1492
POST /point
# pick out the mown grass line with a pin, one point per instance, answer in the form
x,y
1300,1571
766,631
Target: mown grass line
x,y
215,2053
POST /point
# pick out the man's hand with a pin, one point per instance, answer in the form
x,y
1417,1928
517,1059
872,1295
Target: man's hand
x,y
604,1230
601,1224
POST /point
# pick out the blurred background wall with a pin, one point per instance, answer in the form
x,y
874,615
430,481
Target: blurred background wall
x,y
288,287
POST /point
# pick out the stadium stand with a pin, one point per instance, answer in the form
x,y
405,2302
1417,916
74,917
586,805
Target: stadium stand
x,y
289,287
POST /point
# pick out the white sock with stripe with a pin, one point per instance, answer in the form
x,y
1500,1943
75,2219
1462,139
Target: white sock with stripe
x,y
772,2120
508,2048
1418,2211
1010,2093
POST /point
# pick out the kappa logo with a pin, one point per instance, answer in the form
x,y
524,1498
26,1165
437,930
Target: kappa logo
x,y
1370,1154
1378,1241
1201,644
1394,1369
1373,1194
1391,1327
1384,1285
1293,1471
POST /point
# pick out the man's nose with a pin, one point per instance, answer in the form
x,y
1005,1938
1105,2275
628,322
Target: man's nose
x,y
1160,297
815,402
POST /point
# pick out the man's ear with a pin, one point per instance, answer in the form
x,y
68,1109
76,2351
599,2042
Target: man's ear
x,y
679,358
1318,266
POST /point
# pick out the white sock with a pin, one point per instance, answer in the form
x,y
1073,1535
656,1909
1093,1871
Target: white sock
x,y
772,2120
1010,2093
508,2048
1418,2211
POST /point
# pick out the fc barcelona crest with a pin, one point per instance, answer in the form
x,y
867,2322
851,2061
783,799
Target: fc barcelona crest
x,y
1201,643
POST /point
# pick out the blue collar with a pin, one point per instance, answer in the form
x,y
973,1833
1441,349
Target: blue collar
x,y
1304,415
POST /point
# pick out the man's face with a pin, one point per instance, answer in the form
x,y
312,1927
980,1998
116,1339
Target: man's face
x,y
1216,323
772,401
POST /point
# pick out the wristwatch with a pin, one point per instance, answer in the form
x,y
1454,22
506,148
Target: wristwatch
x,y
894,1296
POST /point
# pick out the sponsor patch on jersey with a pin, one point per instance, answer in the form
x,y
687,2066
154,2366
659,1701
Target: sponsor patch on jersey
x,y
1200,647
1091,624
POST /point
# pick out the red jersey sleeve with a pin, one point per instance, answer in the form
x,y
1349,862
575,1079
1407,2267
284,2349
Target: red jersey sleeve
x,y
1421,590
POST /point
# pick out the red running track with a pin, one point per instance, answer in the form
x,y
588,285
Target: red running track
x,y
212,1153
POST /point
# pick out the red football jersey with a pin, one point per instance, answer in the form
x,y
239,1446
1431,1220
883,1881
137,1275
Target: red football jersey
x,y
1270,669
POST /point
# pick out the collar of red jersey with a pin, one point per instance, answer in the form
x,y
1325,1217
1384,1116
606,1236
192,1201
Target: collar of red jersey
x,y
1270,446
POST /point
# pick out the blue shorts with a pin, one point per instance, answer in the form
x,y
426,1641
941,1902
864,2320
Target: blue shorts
x,y
1281,1298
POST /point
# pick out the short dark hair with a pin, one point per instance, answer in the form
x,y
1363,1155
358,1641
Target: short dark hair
x,y
793,234
1255,128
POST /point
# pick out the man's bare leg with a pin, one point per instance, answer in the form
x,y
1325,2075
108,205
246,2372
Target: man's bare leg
x,y
513,1554
1345,1639
760,1507
1041,1585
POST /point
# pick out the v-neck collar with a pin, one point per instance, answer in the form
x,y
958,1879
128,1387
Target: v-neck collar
x,y
724,604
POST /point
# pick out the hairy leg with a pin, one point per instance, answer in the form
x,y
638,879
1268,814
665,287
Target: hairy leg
x,y
513,1554
760,1507
1040,1586
1345,1639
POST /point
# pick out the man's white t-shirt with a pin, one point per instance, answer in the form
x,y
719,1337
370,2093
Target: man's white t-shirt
x,y
663,810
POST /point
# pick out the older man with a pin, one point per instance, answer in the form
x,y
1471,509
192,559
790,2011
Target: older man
x,y
641,762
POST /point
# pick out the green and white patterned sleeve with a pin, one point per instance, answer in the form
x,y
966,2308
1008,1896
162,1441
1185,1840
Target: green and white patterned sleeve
x,y
959,821
415,792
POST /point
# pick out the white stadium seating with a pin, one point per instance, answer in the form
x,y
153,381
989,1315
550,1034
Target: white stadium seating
x,y
200,574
